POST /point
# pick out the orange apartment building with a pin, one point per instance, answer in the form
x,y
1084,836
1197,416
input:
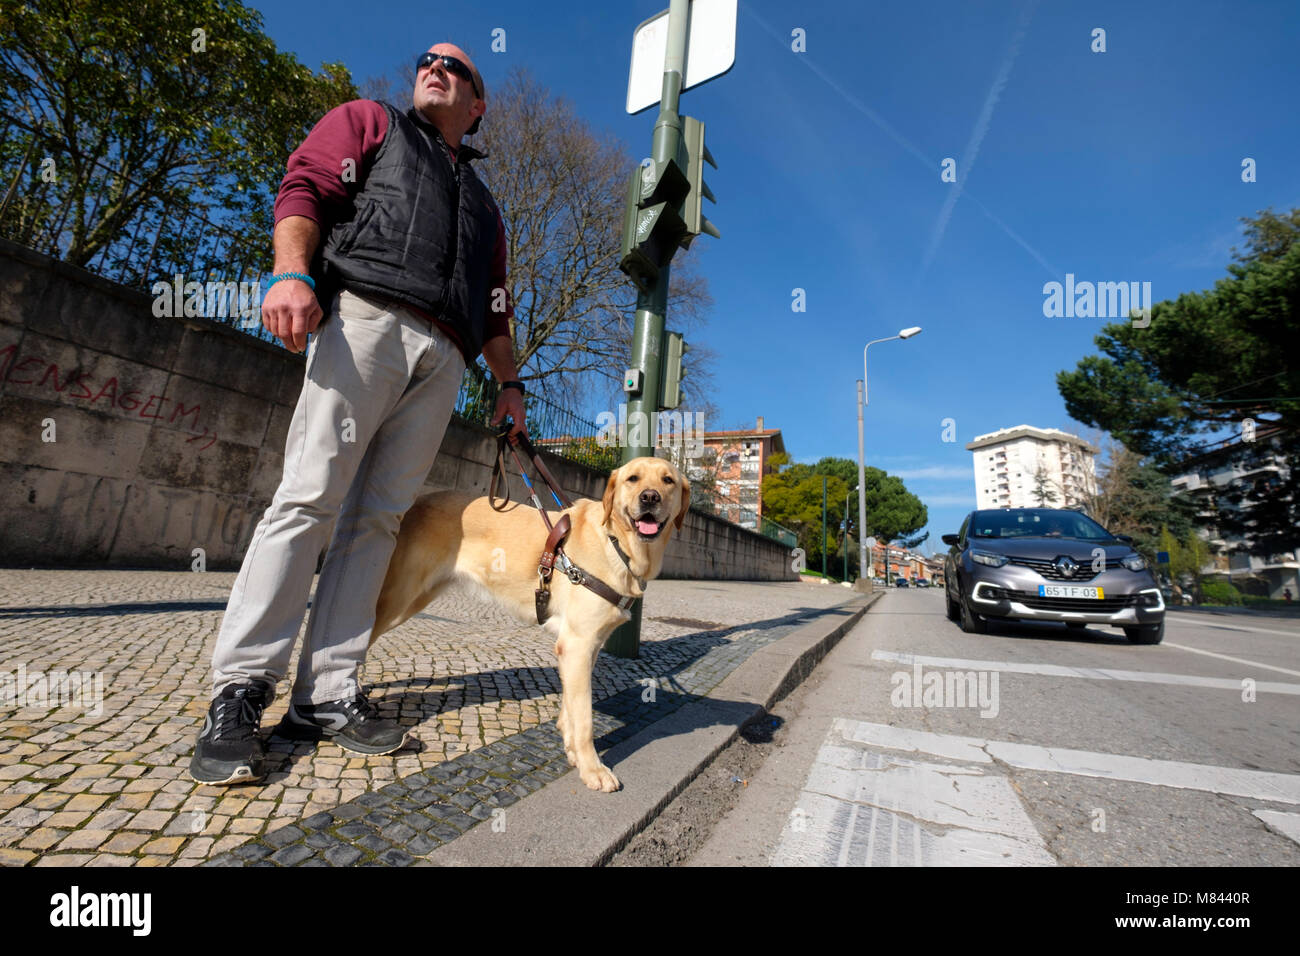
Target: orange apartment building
x,y
901,562
731,470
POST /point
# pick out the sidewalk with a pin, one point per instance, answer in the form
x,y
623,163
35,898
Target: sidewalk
x,y
104,783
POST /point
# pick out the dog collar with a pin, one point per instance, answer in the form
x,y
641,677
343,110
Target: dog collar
x,y
627,562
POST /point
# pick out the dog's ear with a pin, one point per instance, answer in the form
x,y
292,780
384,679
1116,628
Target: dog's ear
x,y
608,500
686,501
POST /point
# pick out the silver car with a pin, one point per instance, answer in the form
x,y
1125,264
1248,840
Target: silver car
x,y
1049,564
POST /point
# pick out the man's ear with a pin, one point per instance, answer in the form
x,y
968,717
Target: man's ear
x,y
608,500
686,503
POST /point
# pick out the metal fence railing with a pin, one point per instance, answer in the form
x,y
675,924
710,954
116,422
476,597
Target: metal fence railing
x,y
769,528
551,427
58,207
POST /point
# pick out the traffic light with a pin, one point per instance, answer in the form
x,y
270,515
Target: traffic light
x,y
674,348
697,154
663,211
652,226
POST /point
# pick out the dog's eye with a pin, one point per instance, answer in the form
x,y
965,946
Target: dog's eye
x,y
667,480
632,479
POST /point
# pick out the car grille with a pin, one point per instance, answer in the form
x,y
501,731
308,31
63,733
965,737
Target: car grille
x,y
1047,569
1103,605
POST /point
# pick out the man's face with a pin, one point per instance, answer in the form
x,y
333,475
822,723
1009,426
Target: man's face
x,y
442,97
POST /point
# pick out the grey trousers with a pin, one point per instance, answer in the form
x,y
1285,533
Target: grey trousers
x,y
380,386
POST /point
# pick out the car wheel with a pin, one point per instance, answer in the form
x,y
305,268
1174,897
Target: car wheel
x,y
1146,633
971,622
954,612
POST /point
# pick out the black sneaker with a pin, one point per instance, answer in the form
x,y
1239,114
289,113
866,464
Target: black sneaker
x,y
228,749
352,723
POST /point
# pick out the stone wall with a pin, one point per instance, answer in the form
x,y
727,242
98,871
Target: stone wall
x,y
128,440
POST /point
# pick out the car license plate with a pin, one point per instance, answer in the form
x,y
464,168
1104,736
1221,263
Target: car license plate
x,y
1069,591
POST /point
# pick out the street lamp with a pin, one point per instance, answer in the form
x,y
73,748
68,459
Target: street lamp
x,y
862,468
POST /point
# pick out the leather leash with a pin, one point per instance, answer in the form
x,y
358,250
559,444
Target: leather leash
x,y
553,552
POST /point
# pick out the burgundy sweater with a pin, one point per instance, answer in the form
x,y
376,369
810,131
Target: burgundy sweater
x,y
315,187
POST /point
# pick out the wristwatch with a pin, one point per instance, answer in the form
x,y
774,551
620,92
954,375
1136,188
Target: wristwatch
x,y
518,385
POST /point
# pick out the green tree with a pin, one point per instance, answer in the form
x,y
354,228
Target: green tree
x,y
1043,492
1172,547
793,497
146,117
1187,558
1207,362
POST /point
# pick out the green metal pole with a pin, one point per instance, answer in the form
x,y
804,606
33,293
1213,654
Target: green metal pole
x,y
823,526
652,305
845,576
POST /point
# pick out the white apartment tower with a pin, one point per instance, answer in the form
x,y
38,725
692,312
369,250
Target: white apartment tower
x,y
1009,461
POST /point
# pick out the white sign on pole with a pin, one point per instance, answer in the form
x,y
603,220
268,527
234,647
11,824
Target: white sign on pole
x,y
710,51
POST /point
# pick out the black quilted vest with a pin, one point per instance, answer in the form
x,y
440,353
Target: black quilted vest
x,y
423,232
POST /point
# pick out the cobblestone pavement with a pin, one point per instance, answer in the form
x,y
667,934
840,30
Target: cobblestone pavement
x,y
100,779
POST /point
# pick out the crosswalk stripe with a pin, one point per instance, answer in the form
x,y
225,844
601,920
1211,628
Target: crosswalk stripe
x,y
1287,824
864,808
1258,784
1238,660
1091,673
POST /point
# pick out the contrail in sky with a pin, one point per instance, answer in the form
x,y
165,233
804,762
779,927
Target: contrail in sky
x,y
928,162
976,139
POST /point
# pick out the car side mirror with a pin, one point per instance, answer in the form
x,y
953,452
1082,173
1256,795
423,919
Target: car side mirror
x,y
951,539
1126,538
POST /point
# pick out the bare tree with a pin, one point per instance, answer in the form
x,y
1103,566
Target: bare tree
x,y
562,186
1111,505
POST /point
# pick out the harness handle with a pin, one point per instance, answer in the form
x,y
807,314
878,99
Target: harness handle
x,y
499,472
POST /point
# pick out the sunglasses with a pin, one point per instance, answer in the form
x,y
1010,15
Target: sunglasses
x,y
452,65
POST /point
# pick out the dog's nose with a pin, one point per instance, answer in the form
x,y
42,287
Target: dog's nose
x,y
650,497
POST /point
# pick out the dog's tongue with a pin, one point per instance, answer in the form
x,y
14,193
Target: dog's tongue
x,y
647,526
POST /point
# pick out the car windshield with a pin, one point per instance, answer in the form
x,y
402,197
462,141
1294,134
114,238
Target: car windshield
x,y
1037,523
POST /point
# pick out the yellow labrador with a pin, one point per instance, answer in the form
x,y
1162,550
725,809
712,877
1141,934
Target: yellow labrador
x,y
452,535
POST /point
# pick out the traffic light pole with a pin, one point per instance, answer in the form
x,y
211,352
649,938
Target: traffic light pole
x,y
652,304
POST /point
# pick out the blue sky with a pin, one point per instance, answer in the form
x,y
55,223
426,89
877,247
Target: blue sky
x,y
1117,166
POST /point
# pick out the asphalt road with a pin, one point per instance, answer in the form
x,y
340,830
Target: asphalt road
x,y
916,744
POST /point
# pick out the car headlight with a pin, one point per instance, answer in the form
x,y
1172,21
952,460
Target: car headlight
x,y
1134,562
989,558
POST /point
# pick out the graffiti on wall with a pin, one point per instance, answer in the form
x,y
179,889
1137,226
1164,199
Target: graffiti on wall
x,y
75,384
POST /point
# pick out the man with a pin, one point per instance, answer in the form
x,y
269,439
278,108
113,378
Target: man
x,y
382,220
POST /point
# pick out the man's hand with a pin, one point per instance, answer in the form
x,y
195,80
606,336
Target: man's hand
x,y
501,360
290,312
511,402
289,309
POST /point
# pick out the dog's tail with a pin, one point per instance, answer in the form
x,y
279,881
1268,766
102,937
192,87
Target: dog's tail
x,y
415,574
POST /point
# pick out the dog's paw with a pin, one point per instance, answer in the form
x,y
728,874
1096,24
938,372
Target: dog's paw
x,y
602,779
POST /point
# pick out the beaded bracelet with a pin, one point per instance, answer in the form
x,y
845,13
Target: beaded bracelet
x,y
292,275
